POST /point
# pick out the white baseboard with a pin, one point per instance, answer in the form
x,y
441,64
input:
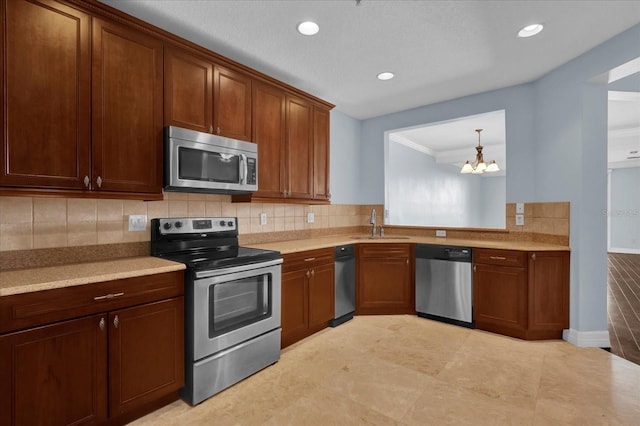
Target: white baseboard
x,y
624,250
587,339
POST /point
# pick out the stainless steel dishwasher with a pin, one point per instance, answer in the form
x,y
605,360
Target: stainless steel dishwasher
x,y
345,284
444,287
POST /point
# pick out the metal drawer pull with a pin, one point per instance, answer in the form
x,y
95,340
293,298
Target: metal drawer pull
x,y
101,324
86,181
533,256
309,259
116,321
497,258
313,272
108,296
308,274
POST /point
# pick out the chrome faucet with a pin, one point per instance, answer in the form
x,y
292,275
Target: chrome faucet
x,y
373,223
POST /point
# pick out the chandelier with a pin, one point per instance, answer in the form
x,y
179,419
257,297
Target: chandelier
x,y
479,166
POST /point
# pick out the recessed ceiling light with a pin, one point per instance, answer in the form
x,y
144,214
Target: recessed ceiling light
x,y
385,76
308,28
530,30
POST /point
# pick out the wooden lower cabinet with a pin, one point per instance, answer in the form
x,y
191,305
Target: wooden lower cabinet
x,y
521,294
308,294
56,374
384,282
107,367
146,354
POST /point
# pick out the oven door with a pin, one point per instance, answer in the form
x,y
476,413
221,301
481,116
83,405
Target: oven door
x,y
233,305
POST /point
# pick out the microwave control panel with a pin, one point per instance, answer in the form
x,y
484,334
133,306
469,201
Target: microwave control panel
x,y
251,171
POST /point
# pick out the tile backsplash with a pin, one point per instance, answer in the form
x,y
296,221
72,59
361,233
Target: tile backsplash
x,y
39,222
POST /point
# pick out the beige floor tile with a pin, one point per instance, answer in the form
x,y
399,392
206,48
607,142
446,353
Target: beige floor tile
x,y
405,370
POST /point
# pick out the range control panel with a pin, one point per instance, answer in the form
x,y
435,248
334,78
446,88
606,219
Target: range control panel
x,y
188,225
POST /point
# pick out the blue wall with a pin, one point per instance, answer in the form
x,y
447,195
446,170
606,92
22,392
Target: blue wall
x,y
556,133
344,159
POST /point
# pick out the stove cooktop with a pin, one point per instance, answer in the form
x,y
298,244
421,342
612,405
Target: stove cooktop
x,y
203,243
222,257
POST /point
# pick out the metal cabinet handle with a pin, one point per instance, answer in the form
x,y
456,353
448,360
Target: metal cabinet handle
x,y
497,257
99,182
108,296
309,259
116,321
308,274
101,324
533,256
210,129
86,181
218,129
474,268
313,272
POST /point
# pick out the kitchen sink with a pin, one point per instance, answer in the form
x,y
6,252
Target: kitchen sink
x,y
386,237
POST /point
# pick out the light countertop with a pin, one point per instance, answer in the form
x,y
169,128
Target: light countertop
x,y
52,277
286,247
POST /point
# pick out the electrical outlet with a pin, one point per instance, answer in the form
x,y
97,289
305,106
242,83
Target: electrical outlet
x,y
137,222
520,208
441,233
520,219
263,218
311,217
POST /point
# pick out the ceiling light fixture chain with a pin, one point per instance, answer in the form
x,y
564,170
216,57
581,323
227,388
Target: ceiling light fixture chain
x,y
479,166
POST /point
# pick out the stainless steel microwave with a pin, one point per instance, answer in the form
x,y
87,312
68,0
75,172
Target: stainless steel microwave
x,y
202,162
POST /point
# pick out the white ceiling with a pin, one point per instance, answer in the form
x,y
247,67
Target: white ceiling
x,y
438,50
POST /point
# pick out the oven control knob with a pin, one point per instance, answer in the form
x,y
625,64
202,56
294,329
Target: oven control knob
x,y
223,223
166,226
230,223
178,224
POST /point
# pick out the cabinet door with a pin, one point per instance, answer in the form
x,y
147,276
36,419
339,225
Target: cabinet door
x,y
549,291
146,354
299,148
321,295
500,299
55,375
294,311
46,95
232,104
384,286
320,154
269,134
188,91
127,110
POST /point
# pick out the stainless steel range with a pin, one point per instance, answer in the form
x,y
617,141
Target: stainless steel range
x,y
232,301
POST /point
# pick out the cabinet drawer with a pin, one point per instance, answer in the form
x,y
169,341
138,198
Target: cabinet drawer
x,y
307,259
43,307
384,250
500,257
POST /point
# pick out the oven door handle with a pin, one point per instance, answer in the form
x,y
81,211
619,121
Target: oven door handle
x,y
234,269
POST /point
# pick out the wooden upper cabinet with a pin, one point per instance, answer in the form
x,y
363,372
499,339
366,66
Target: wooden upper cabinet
x,y
188,91
232,104
269,134
46,95
299,148
321,154
127,109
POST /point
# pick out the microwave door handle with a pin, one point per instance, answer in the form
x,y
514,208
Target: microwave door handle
x,y
243,169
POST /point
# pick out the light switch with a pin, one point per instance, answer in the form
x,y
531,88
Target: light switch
x,y
520,208
520,219
137,222
311,217
441,233
263,218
